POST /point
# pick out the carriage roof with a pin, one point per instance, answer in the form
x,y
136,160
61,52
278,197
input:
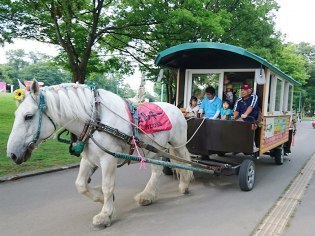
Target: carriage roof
x,y
210,55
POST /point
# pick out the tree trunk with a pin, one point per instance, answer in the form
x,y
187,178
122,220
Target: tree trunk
x,y
78,74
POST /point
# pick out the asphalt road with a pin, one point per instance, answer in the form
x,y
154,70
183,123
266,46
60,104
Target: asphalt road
x,y
50,205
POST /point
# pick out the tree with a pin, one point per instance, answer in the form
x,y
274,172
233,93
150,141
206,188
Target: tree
x,y
190,21
293,63
6,74
44,72
135,28
308,101
17,58
76,26
112,82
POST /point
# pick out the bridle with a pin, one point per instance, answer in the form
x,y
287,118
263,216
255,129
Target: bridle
x,y
42,107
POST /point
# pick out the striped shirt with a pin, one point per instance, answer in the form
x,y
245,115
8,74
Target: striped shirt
x,y
242,104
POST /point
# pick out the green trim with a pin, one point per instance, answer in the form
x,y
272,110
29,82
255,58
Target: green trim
x,y
226,47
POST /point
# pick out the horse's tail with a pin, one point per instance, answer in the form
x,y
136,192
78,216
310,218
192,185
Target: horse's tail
x,y
185,176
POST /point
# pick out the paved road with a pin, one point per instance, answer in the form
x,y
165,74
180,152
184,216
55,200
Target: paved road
x,y
49,204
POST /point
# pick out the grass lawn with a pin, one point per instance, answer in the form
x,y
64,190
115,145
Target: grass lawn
x,y
49,154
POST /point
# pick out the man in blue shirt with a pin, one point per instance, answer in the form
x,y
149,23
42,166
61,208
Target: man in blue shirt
x,y
211,104
246,106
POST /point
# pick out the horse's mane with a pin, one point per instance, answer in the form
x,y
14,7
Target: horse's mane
x,y
69,101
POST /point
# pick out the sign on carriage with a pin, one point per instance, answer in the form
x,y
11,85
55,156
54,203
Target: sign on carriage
x,y
276,131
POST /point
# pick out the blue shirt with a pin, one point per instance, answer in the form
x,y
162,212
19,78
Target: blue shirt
x,y
226,112
210,107
242,104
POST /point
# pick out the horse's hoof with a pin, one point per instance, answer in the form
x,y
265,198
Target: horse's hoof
x,y
183,188
184,191
145,202
101,221
144,199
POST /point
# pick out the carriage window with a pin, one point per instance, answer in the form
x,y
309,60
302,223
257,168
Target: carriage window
x,y
201,81
279,94
270,107
290,95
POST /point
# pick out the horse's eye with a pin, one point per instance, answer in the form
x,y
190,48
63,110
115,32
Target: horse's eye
x,y
28,117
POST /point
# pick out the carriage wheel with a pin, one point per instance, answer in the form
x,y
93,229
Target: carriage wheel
x,y
167,170
279,155
247,175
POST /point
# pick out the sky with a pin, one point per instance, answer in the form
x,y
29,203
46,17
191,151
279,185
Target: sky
x,y
295,19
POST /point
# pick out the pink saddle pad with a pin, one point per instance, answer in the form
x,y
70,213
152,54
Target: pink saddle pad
x,y
152,118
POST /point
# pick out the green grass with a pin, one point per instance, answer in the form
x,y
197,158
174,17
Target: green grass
x,y
49,154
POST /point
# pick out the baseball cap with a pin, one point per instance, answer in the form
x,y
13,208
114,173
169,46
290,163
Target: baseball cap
x,y
246,86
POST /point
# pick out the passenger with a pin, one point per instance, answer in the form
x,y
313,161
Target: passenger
x,y
226,112
228,94
211,104
193,108
246,106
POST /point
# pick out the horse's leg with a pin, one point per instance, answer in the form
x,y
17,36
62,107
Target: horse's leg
x,y
86,170
108,166
185,176
148,195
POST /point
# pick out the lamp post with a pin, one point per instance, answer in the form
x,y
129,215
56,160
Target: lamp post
x,y
300,98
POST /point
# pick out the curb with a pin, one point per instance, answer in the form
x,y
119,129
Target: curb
x,y
280,215
37,172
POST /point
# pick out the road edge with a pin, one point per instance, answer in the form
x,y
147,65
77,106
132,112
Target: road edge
x,y
37,172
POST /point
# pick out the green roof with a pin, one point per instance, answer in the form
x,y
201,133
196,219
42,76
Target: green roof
x,y
178,50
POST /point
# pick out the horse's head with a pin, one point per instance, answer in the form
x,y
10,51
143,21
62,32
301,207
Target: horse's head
x,y
31,125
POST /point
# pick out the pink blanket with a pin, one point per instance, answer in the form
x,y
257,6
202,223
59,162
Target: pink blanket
x,y
152,118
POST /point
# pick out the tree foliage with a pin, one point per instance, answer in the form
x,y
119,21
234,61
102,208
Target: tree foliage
x,y
97,37
138,29
308,101
29,66
45,72
293,63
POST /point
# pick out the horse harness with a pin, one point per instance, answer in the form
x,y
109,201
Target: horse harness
x,y
95,125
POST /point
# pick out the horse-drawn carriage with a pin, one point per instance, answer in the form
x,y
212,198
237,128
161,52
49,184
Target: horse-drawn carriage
x,y
103,123
218,64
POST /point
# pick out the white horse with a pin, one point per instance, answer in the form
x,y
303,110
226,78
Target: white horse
x,y
71,106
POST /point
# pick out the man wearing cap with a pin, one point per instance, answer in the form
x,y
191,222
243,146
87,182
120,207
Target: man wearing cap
x,y
211,104
246,106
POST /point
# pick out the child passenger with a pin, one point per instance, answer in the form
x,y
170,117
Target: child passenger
x,y
229,95
226,112
193,108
